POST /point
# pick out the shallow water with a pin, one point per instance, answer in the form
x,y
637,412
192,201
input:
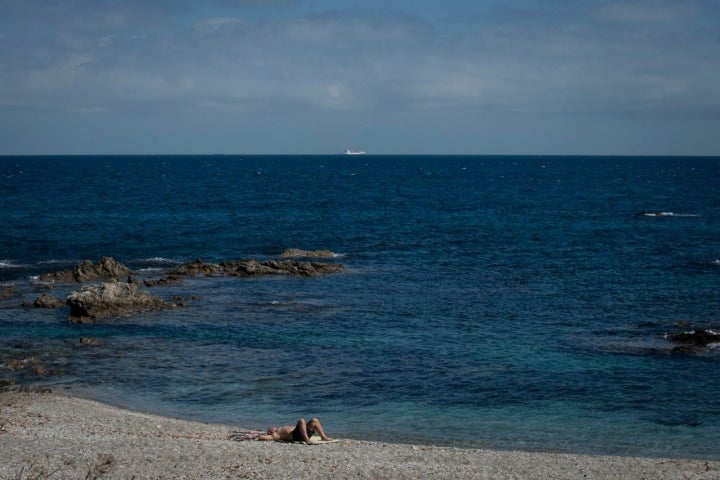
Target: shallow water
x,y
503,302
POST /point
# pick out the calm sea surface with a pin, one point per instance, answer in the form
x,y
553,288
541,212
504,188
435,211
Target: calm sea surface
x,y
496,302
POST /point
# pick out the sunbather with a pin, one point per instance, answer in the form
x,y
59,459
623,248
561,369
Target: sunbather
x,y
301,432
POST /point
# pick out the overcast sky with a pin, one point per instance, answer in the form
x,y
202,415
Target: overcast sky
x,y
394,76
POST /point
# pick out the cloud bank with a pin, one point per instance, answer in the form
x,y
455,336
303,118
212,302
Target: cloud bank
x,y
168,65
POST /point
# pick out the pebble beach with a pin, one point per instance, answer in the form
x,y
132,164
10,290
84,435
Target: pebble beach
x,y
50,435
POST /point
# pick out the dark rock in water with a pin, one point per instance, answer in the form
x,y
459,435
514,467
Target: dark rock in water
x,y
32,363
695,341
111,299
86,271
195,267
45,301
89,342
251,268
696,338
6,292
296,252
169,280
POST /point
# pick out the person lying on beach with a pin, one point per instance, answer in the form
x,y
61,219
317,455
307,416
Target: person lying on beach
x,y
301,432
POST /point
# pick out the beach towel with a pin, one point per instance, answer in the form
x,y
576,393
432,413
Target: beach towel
x,y
320,441
242,435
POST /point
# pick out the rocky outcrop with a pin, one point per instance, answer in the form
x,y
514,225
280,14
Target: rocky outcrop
x,y
694,341
195,267
86,271
45,301
119,298
112,299
252,268
169,280
297,253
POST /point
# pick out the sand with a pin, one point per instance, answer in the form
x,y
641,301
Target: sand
x,y
48,435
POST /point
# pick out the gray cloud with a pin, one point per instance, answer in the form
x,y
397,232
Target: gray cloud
x,y
556,58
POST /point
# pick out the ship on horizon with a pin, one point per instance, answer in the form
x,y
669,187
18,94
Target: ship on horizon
x,y
354,152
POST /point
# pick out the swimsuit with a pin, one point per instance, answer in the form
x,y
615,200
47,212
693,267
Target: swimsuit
x,y
297,436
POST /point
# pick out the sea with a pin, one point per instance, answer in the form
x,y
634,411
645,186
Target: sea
x,y
498,302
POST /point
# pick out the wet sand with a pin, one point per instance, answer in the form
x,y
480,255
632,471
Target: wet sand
x,y
48,435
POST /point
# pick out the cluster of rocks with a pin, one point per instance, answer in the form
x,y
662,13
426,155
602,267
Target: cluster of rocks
x,y
123,295
111,299
253,268
87,271
33,364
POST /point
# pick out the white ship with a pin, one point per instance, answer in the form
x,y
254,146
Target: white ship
x,y
354,152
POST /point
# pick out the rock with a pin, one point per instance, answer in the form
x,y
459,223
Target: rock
x,y
33,363
112,299
47,301
195,267
694,341
86,271
250,268
296,252
6,292
696,338
169,280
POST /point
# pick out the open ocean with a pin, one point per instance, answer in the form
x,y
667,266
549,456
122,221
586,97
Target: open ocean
x,y
495,302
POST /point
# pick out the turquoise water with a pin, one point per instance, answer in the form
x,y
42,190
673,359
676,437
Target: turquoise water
x,y
501,302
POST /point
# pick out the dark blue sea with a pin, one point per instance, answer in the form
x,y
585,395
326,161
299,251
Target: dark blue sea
x,y
496,302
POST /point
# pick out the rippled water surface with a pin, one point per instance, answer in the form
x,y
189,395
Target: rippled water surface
x,y
504,302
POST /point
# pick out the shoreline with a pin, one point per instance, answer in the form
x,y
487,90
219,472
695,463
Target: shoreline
x,y
46,435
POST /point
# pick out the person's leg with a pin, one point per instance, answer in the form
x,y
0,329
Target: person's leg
x,y
300,433
316,426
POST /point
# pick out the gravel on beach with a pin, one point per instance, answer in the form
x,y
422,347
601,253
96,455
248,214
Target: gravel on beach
x,y
49,435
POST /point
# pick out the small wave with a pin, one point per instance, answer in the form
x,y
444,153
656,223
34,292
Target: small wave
x,y
150,270
9,264
161,260
670,214
153,264
57,261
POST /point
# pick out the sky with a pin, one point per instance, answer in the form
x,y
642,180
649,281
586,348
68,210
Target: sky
x,y
486,77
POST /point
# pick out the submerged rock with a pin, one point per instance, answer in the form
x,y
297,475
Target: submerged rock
x,y
86,271
6,292
694,339
169,280
112,299
296,252
32,364
45,301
